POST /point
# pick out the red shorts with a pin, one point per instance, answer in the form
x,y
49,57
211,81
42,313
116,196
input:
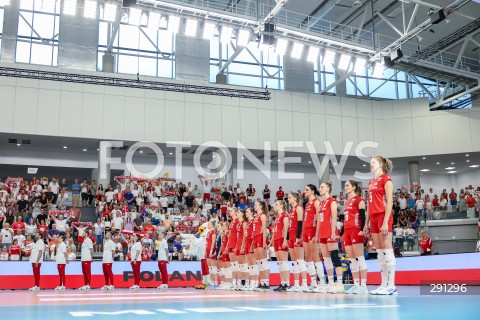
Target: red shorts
x,y
207,253
351,237
308,234
376,221
292,239
248,246
206,196
277,245
231,250
258,241
225,258
327,240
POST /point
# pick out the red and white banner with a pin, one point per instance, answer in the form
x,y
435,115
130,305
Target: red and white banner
x,y
410,271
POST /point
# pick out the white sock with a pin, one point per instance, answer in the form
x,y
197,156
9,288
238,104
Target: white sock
x,y
383,267
320,272
330,280
356,282
297,282
390,262
311,272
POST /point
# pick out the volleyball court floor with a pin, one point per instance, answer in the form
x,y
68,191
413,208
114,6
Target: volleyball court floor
x,y
199,304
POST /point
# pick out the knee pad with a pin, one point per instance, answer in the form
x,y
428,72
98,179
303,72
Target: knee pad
x,y
221,272
362,265
389,257
311,268
354,265
244,268
335,259
283,266
295,267
255,270
328,263
263,265
235,266
302,265
228,273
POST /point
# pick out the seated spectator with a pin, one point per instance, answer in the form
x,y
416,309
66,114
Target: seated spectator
x,y
71,256
410,234
4,255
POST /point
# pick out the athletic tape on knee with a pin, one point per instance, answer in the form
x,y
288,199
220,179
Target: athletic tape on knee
x,y
362,265
302,265
263,265
328,263
283,266
389,257
311,268
255,270
335,259
354,265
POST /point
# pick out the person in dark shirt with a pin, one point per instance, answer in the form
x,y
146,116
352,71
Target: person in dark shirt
x,y
22,205
226,195
189,200
128,195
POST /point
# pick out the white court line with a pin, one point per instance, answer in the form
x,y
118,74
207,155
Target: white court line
x,y
111,293
143,298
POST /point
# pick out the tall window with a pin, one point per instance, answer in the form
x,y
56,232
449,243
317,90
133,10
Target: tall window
x,y
37,37
142,50
253,67
324,76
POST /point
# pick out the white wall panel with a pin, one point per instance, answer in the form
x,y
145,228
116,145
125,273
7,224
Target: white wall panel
x,y
364,108
283,100
378,136
365,133
155,120
300,102
134,113
249,127
267,104
248,103
333,105
388,138
377,112
460,129
48,112
27,83
174,96
422,135
231,132
350,132
301,129
401,109
229,101
316,103
193,124
25,115
334,135
91,88
113,117
8,107
134,92
212,123
318,132
442,137
92,115
404,145
266,127
420,107
209,100
71,114
475,129
115,91
51,85
387,109
284,127
174,120
349,107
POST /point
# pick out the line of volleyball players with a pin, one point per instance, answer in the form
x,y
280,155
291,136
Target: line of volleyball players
x,y
236,251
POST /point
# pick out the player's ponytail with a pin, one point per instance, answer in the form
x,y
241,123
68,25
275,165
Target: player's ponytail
x,y
314,189
329,185
386,164
358,190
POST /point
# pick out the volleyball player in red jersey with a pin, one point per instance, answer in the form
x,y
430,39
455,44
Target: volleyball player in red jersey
x,y
260,245
232,245
240,251
310,244
225,265
253,272
280,244
327,235
210,253
353,236
295,247
380,202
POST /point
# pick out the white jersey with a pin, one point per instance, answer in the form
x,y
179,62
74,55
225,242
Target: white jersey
x,y
61,250
87,245
38,247
108,247
162,255
137,247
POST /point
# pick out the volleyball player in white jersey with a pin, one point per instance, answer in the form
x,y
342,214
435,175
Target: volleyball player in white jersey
x,y
107,261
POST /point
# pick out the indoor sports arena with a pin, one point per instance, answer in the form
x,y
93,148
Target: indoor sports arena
x,y
232,159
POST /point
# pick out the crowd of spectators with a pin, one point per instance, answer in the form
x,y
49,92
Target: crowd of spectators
x,y
165,206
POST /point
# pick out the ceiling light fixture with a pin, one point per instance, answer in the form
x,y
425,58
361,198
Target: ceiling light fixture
x,y
90,9
425,170
191,28
313,53
451,171
449,168
474,166
243,38
297,50
208,30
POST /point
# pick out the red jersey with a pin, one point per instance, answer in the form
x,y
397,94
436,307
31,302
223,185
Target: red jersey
x,y
310,212
279,225
376,194
224,242
43,229
280,195
18,227
257,225
240,233
293,219
210,236
232,234
27,248
470,202
146,254
425,244
224,208
249,231
325,219
352,213
435,202
14,250
453,196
